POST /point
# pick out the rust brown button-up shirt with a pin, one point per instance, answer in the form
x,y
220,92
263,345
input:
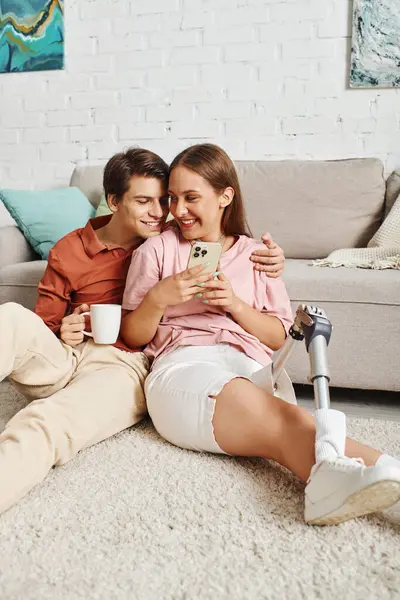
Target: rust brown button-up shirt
x,y
82,270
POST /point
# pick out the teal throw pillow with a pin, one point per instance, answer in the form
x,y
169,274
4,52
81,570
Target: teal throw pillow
x,y
44,217
102,208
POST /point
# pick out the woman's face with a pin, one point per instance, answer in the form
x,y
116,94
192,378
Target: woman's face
x,y
196,206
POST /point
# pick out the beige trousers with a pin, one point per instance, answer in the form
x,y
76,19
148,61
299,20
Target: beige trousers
x,y
80,395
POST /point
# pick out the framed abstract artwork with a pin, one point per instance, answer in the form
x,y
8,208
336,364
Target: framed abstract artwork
x,y
31,35
375,53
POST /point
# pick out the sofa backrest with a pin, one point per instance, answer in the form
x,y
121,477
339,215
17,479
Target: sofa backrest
x,y
89,179
310,207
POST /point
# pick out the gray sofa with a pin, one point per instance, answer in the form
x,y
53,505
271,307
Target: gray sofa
x,y
311,208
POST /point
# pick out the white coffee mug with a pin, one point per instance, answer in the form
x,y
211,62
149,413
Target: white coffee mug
x,y
105,320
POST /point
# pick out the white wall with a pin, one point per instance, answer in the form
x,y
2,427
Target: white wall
x,y
263,78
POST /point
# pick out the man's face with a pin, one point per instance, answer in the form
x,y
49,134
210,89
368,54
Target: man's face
x,y
144,208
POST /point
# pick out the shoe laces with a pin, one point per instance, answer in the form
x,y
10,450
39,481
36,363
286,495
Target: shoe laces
x,y
348,464
344,462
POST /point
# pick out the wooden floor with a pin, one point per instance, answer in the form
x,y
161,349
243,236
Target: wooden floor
x,y
356,403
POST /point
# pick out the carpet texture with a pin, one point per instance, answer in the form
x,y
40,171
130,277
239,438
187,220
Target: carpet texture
x,y
136,518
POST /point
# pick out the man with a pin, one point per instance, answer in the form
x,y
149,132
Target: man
x,y
83,393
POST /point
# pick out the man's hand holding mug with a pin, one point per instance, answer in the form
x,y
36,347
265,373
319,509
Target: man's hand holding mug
x,y
105,324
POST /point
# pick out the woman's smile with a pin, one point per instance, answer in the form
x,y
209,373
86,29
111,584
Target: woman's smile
x,y
187,223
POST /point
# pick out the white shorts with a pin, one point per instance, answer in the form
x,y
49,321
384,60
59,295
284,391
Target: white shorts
x,y
180,386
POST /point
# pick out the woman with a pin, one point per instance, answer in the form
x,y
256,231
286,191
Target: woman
x,y
209,333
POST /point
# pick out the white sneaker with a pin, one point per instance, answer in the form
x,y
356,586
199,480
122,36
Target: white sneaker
x,y
345,488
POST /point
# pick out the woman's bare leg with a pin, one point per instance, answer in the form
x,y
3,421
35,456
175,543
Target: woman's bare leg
x,y
250,422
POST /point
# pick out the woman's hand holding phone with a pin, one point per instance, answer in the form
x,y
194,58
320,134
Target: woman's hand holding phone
x,y
218,292
181,287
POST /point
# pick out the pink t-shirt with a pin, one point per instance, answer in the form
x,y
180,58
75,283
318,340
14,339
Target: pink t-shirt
x,y
193,323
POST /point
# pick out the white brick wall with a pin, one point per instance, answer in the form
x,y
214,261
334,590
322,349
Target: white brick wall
x,y
263,78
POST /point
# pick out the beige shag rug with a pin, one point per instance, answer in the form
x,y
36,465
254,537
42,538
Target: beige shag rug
x,y
136,518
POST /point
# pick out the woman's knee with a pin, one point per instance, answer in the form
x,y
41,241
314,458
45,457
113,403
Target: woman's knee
x,y
243,419
255,421
296,416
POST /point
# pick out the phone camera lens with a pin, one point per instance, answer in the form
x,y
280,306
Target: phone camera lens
x,y
197,248
196,255
203,252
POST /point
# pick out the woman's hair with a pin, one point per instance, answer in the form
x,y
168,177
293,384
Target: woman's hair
x,y
134,161
214,165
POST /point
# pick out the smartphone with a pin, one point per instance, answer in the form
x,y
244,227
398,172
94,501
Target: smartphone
x,y
205,252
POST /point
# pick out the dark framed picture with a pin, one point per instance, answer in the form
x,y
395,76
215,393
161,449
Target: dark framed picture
x,y
375,54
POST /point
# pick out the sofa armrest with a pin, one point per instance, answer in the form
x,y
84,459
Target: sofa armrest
x,y
14,248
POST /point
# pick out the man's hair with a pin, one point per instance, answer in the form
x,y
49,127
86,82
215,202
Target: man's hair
x,y
134,161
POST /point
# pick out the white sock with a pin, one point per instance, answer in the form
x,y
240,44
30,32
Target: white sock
x,y
330,438
390,461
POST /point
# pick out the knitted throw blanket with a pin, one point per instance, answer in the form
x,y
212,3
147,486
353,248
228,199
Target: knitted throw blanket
x,y
382,252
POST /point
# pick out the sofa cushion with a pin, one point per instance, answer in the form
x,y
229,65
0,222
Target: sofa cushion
x,y
309,284
392,190
363,351
45,217
314,207
28,273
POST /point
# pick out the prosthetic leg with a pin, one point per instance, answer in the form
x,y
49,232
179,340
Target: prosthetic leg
x,y
339,488
312,325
